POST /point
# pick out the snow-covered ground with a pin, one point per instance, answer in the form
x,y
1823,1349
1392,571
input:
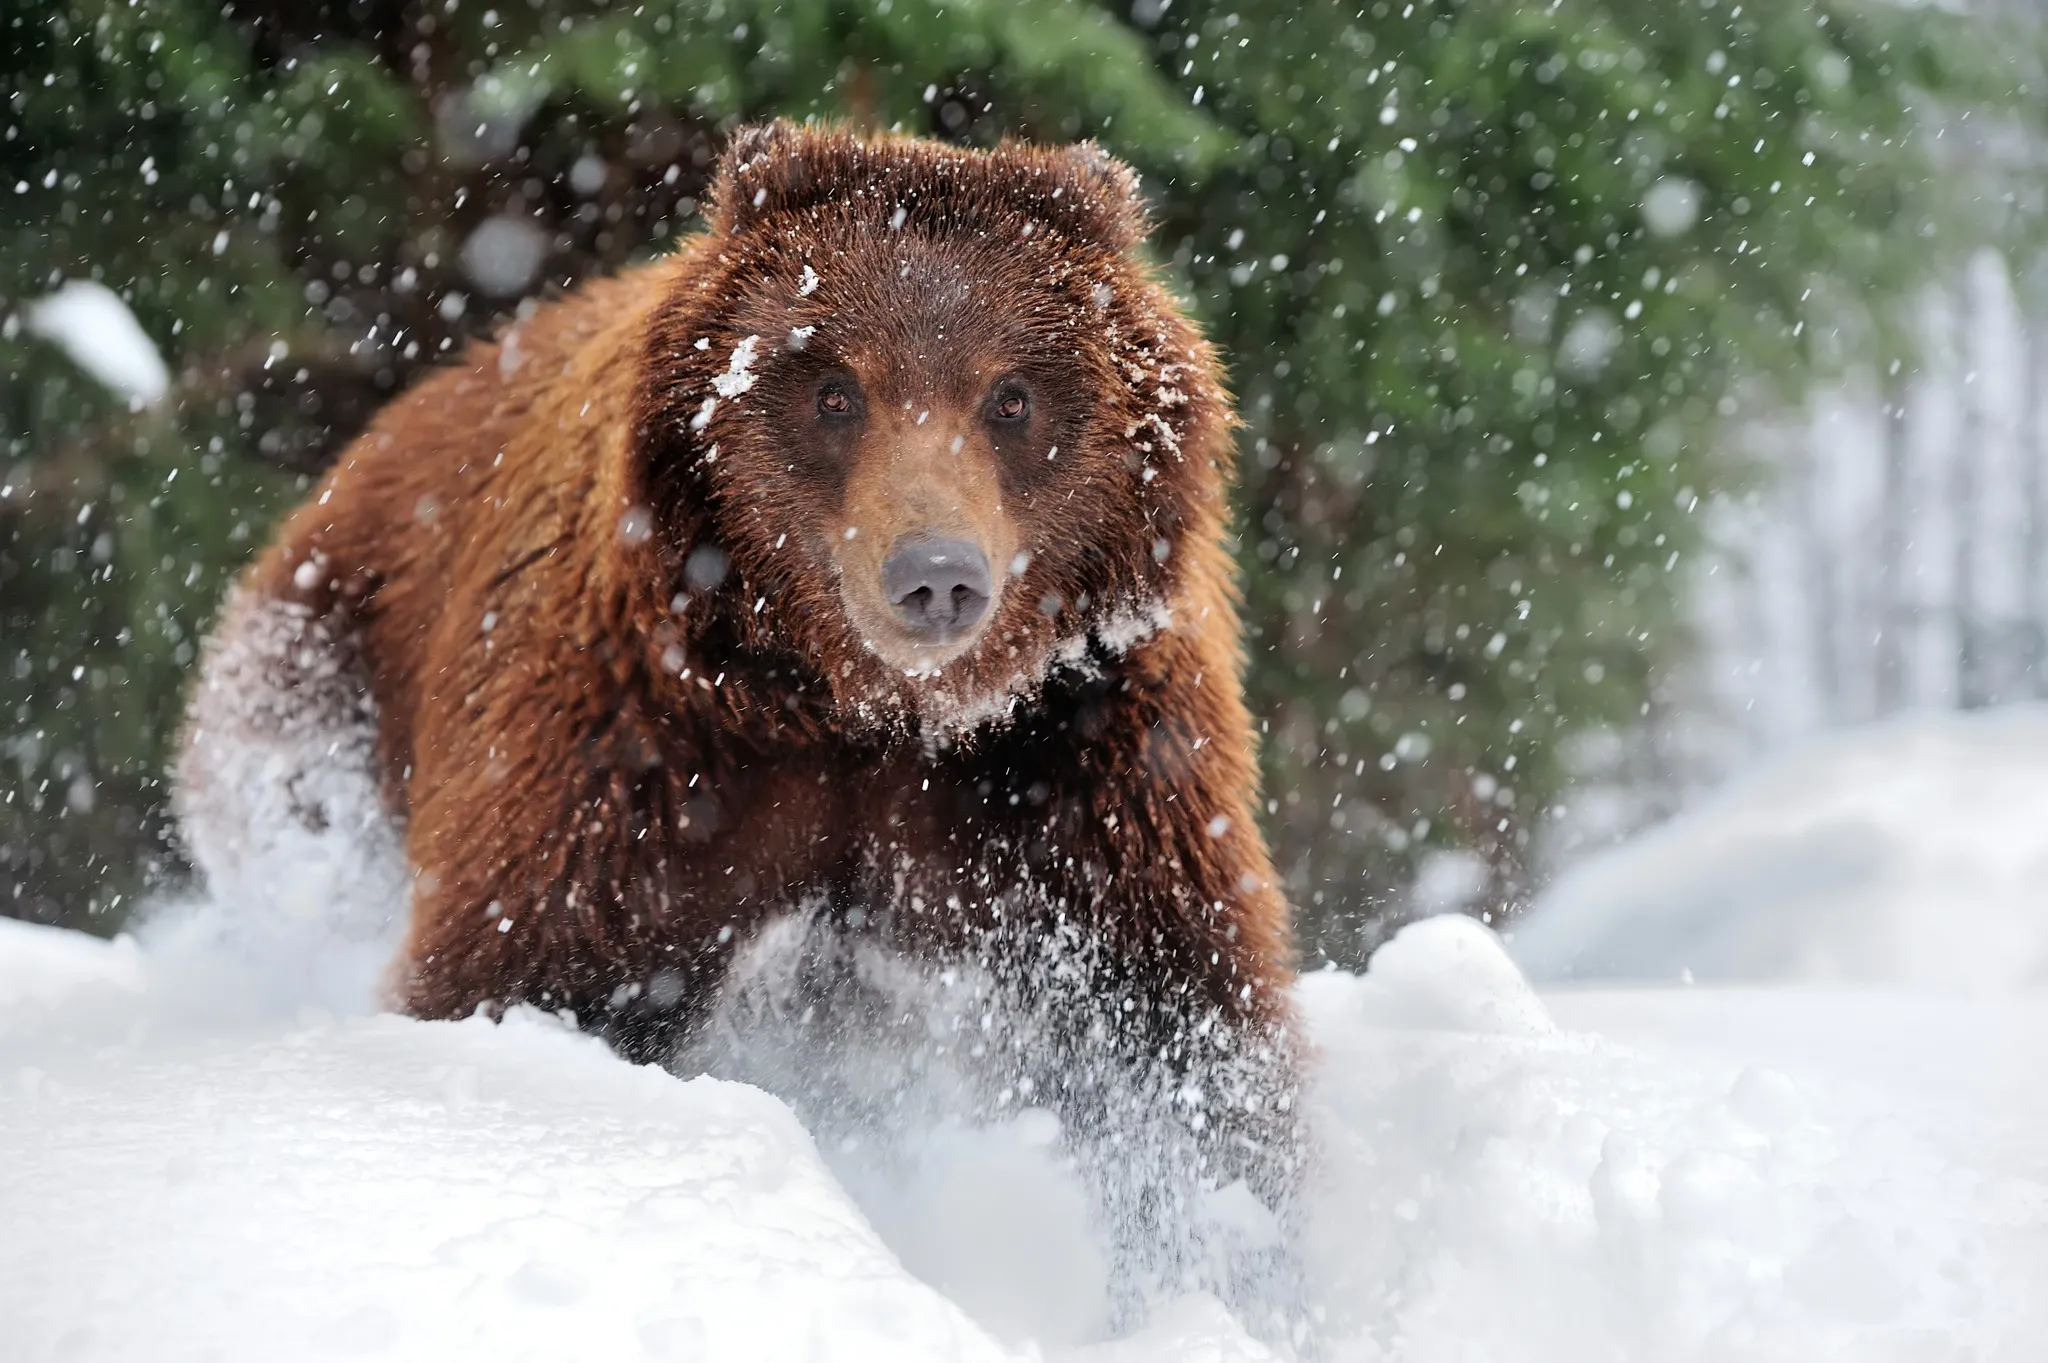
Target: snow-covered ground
x,y
191,1166
1913,852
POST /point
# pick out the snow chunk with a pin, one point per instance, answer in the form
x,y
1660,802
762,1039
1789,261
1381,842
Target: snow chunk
x,y
1122,630
808,285
1589,344
95,329
1448,973
503,254
1672,206
587,174
739,373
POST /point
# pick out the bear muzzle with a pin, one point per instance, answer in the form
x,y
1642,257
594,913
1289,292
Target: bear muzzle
x,y
925,601
938,587
924,530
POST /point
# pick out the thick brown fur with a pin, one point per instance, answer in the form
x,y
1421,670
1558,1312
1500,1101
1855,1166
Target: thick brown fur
x,y
597,583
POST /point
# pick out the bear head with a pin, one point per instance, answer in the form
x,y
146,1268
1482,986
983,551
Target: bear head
x,y
925,420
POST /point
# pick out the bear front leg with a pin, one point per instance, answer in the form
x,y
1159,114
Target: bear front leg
x,y
594,861
1155,919
1194,1133
279,796
563,886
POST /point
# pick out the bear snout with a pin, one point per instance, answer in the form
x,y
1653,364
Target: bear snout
x,y
937,587
924,535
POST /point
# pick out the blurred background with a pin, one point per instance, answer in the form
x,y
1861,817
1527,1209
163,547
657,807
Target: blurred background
x,y
1633,387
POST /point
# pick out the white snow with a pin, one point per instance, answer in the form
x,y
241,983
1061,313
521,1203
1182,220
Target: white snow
x,y
1671,207
1913,852
1124,629
1587,348
739,372
92,325
278,801
738,377
1642,1175
503,254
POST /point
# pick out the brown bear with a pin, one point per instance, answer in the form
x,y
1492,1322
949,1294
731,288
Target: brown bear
x,y
869,553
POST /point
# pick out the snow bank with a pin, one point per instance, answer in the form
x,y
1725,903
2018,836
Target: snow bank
x,y
1913,852
178,1187
40,965
183,1177
90,323
1548,1193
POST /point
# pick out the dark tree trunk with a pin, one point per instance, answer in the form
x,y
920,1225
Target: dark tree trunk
x,y
2033,592
1823,598
1894,608
1972,689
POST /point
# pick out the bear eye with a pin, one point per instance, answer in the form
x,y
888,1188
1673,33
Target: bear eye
x,y
834,400
1010,405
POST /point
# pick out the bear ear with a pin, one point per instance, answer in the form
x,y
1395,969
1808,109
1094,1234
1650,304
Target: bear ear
x,y
1108,204
765,166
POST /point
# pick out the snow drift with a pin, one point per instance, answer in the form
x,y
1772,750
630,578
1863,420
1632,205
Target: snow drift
x,y
1913,852
189,1170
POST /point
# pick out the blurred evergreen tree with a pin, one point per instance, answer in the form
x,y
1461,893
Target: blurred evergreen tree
x,y
1496,276
1489,276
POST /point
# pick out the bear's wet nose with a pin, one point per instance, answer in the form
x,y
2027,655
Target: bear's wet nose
x,y
937,587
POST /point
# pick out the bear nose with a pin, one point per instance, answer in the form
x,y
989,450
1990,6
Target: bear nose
x,y
937,587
